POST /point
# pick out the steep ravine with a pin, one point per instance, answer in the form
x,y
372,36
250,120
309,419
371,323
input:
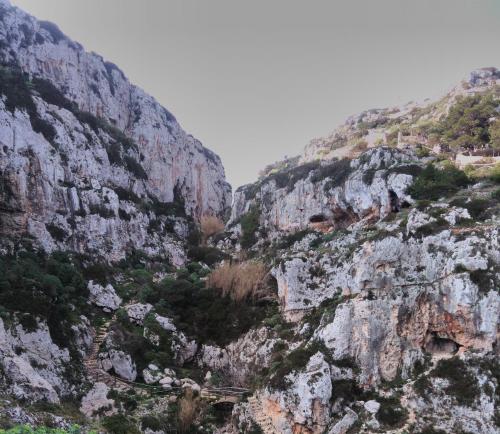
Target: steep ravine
x,y
356,295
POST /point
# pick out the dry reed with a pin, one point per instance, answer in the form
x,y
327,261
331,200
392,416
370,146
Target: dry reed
x,y
240,281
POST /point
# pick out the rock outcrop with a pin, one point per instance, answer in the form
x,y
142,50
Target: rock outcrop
x,y
329,195
33,367
90,162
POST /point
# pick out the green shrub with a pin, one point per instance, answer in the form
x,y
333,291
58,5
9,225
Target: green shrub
x,y
296,360
484,279
114,151
249,225
496,195
207,255
54,31
203,313
289,240
336,172
56,232
468,121
494,173
433,183
478,208
151,422
462,384
128,195
14,85
391,414
135,167
347,390
119,424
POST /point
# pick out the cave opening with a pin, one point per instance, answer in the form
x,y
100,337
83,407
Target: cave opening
x,y
439,345
317,218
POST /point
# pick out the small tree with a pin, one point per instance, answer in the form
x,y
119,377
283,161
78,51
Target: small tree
x,y
495,135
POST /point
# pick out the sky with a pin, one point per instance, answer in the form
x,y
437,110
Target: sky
x,y
256,80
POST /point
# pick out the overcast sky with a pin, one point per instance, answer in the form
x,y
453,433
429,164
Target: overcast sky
x,y
255,80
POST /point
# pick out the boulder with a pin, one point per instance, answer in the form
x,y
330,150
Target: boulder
x,y
104,296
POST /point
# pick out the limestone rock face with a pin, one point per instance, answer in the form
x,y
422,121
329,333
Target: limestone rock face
x,y
104,296
137,312
39,370
384,289
334,194
242,358
306,400
96,402
106,151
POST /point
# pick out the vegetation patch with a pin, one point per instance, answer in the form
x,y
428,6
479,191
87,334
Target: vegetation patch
x,y
249,227
119,424
54,31
294,361
391,414
434,183
240,281
463,385
51,288
289,240
14,85
207,255
336,172
467,124
204,313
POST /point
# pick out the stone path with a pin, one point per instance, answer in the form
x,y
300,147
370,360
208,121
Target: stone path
x,y
92,366
96,374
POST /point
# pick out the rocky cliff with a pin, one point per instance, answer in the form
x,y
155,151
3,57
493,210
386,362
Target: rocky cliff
x,y
389,293
89,161
344,295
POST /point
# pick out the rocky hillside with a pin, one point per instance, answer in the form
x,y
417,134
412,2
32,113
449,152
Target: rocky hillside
x,y
342,295
426,125
89,161
387,271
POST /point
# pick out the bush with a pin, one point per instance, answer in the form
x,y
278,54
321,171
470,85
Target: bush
x,y
347,390
240,281
496,194
390,413
119,424
135,167
433,183
494,173
13,84
468,121
205,314
56,232
478,208
336,172
207,255
54,31
128,195
296,360
249,225
462,384
289,240
44,287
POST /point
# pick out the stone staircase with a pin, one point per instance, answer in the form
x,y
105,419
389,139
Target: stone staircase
x,y
91,363
262,419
